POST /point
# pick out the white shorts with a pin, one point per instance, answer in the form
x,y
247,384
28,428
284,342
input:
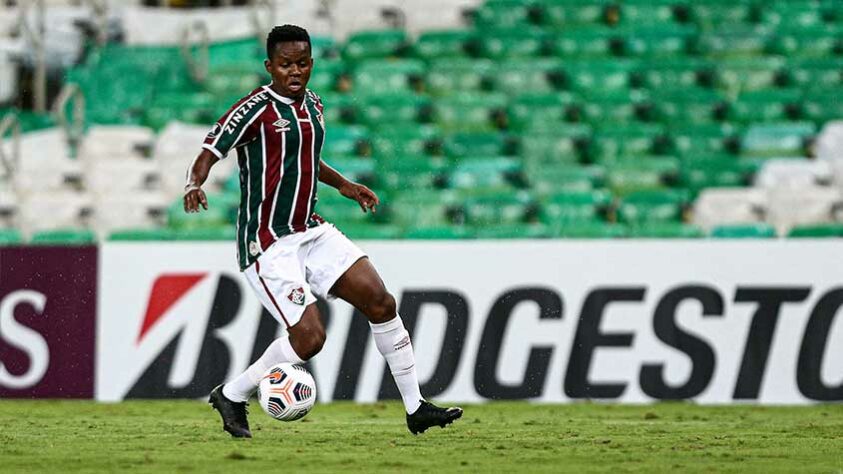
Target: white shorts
x,y
286,276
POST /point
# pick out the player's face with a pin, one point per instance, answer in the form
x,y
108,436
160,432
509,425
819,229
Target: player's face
x,y
290,68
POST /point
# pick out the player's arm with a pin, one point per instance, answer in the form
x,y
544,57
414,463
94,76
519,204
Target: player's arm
x,y
196,176
363,195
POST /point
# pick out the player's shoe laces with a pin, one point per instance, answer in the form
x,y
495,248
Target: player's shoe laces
x,y
429,415
233,414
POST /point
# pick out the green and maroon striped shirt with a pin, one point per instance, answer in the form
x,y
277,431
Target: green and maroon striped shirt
x,y
278,142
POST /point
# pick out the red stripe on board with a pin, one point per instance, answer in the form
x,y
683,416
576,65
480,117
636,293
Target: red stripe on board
x,y
269,293
300,214
272,176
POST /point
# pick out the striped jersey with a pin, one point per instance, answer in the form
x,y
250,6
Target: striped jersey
x,y
278,142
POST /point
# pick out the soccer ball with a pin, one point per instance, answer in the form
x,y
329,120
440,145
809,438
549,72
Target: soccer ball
x,y
287,392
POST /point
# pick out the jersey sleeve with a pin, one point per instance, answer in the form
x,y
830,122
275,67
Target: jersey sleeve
x,y
236,127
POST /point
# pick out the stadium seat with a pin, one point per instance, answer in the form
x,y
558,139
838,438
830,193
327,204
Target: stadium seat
x,y
574,207
10,237
666,230
502,13
590,76
777,139
382,76
326,75
822,105
817,41
448,232
66,209
370,44
423,209
459,145
222,209
718,171
547,181
513,231
687,106
743,74
404,140
800,206
141,234
347,140
517,76
794,173
611,143
435,45
484,173
392,108
545,148
537,110
717,12
135,209
700,139
372,231
641,174
619,107
581,43
503,44
498,209
354,168
223,232
733,41
817,231
829,142
766,105
792,13
591,230
63,237
727,206
672,73
450,76
404,173
815,74
470,112
651,206
744,231
656,41
568,13
340,108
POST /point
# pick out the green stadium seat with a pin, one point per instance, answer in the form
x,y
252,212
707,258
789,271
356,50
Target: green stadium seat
x,y
384,76
199,108
132,235
500,208
372,231
345,140
354,168
657,41
513,231
392,108
699,174
744,231
422,209
814,41
448,232
671,72
520,76
226,53
403,140
10,237
666,230
326,75
792,13
403,173
484,173
435,45
501,44
555,146
502,13
766,105
590,76
470,112
692,106
815,73
458,145
222,209
642,174
609,144
451,76
647,12
732,41
339,210
738,75
581,43
591,230
717,12
777,139
567,13
817,231
210,233
574,207
375,44
550,180
651,206
63,237
339,108
823,105
700,139
616,107
539,110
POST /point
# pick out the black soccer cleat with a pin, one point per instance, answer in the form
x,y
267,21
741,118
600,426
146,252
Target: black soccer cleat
x,y
429,415
233,414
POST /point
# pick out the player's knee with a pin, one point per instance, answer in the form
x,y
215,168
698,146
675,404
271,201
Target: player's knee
x,y
311,343
382,308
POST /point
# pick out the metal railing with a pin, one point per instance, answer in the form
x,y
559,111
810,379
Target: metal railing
x,y
9,160
197,64
73,127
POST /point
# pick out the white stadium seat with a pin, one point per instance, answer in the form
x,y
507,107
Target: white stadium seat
x,y
829,143
793,173
176,147
45,163
724,206
55,210
790,207
138,209
116,142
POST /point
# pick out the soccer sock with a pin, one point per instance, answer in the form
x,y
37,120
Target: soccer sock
x,y
394,344
245,384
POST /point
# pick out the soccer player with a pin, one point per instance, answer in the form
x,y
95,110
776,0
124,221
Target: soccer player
x,y
287,252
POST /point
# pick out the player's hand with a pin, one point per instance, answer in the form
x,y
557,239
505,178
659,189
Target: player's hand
x,y
193,198
364,196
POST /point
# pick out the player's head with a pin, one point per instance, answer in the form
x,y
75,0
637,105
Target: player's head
x,y
289,59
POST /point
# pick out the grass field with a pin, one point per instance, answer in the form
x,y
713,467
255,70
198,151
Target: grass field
x,y
185,436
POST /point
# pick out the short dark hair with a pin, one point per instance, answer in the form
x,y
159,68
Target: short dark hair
x,y
283,34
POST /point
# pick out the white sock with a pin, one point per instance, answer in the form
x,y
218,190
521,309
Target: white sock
x,y
244,385
394,344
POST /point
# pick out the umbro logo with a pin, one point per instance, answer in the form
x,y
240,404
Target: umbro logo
x,y
281,125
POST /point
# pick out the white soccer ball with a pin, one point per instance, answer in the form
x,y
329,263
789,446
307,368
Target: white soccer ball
x,y
287,392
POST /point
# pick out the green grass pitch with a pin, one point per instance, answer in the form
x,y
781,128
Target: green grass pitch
x,y
185,436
